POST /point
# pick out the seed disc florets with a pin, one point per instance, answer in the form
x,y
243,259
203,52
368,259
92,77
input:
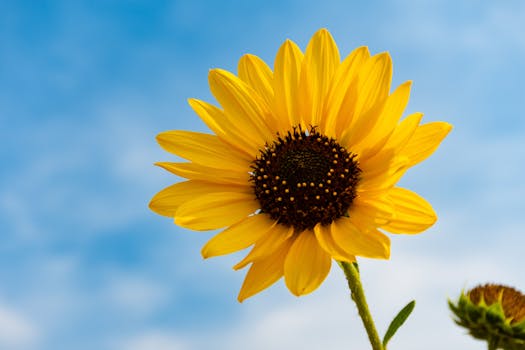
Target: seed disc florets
x,y
305,178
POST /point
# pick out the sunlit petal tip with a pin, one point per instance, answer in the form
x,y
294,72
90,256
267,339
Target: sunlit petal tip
x,y
241,265
153,206
303,276
220,78
385,60
413,213
432,219
160,136
217,73
163,204
289,45
383,56
364,50
409,83
160,164
323,34
322,48
425,141
387,253
385,241
166,140
205,254
161,139
406,88
263,273
447,127
242,297
253,62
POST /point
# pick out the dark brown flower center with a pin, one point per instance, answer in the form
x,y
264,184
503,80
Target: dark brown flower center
x,y
305,178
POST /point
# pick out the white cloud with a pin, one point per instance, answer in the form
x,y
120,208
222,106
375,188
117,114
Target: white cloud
x,y
135,296
16,331
97,179
431,26
153,340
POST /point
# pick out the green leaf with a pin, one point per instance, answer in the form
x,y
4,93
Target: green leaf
x,y
398,321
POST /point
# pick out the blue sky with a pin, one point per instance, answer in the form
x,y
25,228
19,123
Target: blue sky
x,y
86,85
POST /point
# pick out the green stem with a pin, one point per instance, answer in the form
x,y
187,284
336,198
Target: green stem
x,y
493,343
358,295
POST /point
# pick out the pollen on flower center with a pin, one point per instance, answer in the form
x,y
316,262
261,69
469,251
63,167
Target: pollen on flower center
x,y
305,178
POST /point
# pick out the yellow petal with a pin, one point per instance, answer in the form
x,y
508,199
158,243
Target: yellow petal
x,y
373,89
287,68
392,111
388,165
264,272
194,171
413,214
368,243
218,122
385,176
169,199
403,132
342,94
377,165
306,265
323,233
374,82
320,62
244,107
256,73
425,141
269,243
239,236
379,209
205,149
215,210
363,217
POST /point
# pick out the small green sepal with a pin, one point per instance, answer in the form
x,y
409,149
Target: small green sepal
x,y
494,313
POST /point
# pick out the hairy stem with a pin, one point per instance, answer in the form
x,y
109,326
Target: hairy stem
x,y
358,296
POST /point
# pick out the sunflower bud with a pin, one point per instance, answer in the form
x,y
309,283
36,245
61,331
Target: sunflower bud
x,y
494,313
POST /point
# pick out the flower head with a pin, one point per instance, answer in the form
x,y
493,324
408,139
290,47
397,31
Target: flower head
x,y
494,313
303,164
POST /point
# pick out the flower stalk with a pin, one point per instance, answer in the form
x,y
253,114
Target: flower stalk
x,y
493,343
358,296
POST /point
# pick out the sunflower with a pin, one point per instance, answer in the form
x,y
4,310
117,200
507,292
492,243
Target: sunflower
x,y
493,312
302,164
